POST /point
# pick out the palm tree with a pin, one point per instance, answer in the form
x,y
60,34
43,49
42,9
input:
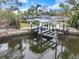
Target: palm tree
x,y
74,15
65,8
73,2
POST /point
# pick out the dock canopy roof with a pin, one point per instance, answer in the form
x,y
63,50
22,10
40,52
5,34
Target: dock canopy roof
x,y
49,19
42,20
58,18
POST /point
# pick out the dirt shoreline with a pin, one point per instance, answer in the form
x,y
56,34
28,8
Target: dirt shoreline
x,y
14,33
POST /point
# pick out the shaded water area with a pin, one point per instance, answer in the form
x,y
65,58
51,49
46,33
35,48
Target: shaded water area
x,y
35,47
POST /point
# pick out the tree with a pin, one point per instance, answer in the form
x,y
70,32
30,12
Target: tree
x,y
37,11
31,11
1,2
34,10
17,19
12,7
51,13
8,17
74,3
65,8
11,3
73,20
72,13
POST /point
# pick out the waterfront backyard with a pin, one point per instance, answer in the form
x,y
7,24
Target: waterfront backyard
x,y
43,29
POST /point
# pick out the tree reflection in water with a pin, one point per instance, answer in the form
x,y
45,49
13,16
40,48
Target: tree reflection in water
x,y
13,51
72,48
40,45
19,48
37,48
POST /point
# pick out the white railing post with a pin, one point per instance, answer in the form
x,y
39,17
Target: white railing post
x,y
40,28
31,25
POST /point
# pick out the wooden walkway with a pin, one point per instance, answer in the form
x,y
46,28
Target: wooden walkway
x,y
52,33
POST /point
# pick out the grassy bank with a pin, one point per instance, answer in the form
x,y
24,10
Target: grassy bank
x,y
26,24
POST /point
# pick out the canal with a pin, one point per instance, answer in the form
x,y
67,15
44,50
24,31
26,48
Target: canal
x,y
35,47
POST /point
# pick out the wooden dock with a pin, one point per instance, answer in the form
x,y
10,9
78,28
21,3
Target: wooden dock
x,y
52,33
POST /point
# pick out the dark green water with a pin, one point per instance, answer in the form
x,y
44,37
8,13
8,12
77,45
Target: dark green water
x,y
35,48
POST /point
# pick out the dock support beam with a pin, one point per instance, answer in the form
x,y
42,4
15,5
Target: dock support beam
x,y
40,28
31,25
48,26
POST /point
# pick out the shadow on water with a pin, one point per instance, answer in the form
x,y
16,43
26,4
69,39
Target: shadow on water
x,y
37,47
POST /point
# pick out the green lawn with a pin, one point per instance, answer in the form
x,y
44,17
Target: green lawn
x,y
26,25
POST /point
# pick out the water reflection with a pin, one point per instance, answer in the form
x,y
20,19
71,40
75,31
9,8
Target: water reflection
x,y
39,48
72,48
11,50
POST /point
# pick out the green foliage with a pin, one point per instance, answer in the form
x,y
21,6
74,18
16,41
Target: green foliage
x,y
37,48
71,12
51,13
23,21
7,16
33,10
65,7
62,5
73,20
36,23
65,55
72,2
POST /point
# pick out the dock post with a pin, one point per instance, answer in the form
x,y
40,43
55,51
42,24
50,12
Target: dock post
x,y
52,26
66,33
63,28
63,38
31,25
56,38
48,26
40,31
56,51
40,28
